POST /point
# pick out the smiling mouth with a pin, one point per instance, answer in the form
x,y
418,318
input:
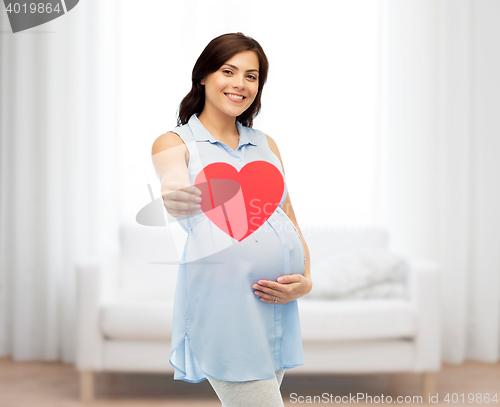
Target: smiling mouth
x,y
235,97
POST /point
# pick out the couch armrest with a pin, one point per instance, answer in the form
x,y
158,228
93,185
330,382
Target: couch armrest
x,y
424,288
97,281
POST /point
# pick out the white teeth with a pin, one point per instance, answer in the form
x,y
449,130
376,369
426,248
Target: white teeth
x,y
234,96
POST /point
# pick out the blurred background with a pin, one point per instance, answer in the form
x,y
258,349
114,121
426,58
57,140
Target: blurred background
x,y
385,112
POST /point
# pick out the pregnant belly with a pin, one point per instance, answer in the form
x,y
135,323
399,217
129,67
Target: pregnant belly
x,y
273,250
221,305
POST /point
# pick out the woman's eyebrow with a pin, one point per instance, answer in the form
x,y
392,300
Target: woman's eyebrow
x,y
248,70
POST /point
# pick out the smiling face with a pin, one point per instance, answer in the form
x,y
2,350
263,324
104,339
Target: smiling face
x,y
233,87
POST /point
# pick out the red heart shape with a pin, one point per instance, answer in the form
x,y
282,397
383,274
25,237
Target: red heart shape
x,y
239,203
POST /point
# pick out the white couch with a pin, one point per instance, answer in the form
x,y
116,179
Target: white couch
x,y
125,309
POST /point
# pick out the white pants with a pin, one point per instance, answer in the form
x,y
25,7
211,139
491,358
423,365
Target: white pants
x,y
261,393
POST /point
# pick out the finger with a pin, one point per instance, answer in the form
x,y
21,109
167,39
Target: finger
x,y
177,209
261,295
269,298
181,206
289,278
192,190
187,189
271,286
182,196
267,290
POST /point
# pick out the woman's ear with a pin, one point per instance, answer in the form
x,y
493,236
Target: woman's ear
x,y
202,81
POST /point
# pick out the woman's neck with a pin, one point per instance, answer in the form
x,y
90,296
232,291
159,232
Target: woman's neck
x,y
220,127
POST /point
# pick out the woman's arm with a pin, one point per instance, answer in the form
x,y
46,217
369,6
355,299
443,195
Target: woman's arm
x,y
302,284
169,155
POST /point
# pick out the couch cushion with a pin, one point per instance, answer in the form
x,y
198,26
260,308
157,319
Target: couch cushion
x,y
357,273
137,320
319,320
323,320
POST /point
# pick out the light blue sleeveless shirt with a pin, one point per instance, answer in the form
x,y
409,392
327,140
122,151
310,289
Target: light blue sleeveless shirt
x,y
221,329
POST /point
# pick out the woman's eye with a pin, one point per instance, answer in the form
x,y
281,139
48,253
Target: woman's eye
x,y
250,76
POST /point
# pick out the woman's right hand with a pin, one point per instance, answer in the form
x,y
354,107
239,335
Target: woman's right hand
x,y
180,199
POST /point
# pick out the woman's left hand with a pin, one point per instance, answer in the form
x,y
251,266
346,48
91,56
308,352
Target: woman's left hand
x,y
291,287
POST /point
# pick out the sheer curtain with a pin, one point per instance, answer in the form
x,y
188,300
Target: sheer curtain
x,y
59,195
438,188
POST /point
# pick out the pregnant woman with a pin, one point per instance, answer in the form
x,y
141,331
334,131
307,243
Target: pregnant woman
x,y
236,320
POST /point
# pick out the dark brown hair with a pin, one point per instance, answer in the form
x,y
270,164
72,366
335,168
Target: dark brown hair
x,y
216,54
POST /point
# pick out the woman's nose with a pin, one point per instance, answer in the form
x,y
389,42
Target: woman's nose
x,y
239,82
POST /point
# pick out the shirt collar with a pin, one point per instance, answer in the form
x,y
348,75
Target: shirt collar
x,y
200,133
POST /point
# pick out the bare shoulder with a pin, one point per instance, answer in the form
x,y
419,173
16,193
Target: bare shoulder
x,y
273,146
165,141
169,140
